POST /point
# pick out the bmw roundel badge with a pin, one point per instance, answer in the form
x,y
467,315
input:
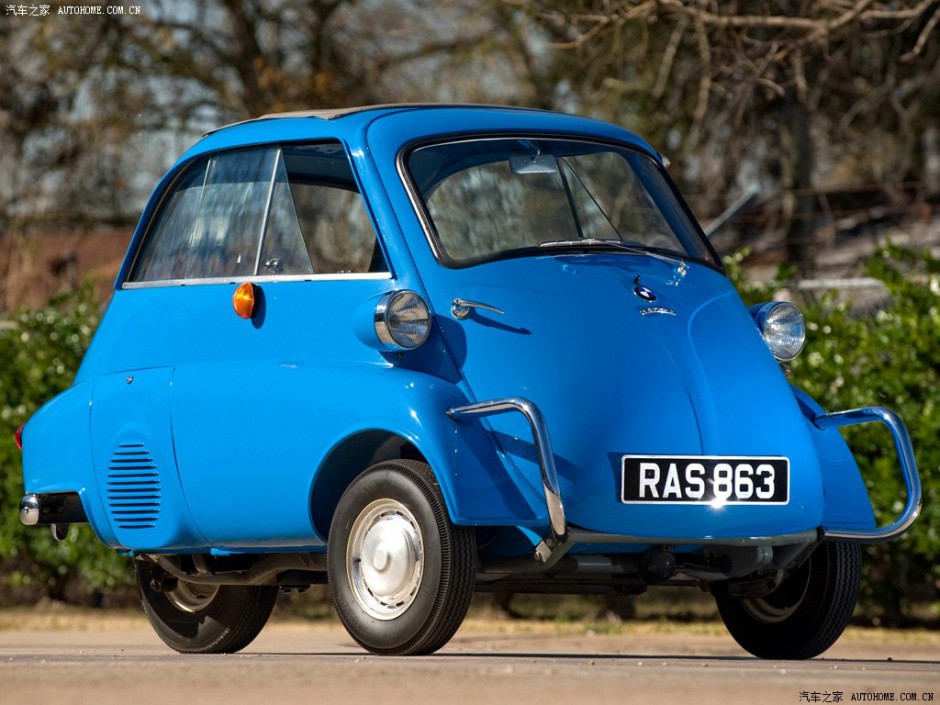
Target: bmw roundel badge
x,y
644,293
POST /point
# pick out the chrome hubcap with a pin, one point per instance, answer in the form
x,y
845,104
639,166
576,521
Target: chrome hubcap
x,y
385,559
191,598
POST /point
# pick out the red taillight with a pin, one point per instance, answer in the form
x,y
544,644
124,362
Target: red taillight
x,y
18,436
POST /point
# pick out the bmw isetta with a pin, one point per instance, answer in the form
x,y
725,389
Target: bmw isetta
x,y
416,351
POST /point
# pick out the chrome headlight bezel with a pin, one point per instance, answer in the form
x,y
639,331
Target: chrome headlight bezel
x,y
402,320
783,328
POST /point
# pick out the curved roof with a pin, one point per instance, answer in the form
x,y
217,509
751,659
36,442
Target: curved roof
x,y
376,126
333,113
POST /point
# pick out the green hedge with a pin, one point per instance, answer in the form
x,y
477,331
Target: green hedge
x,y
39,354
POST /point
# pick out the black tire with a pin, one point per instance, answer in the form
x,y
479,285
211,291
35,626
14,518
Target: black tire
x,y
806,613
414,591
195,619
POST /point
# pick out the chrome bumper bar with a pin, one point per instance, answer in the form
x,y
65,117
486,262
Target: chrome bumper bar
x,y
548,549
543,449
905,451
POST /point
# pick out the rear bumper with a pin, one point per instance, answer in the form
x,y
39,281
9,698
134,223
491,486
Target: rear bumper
x,y
52,508
561,538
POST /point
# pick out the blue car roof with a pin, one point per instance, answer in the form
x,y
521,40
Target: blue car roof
x,y
421,120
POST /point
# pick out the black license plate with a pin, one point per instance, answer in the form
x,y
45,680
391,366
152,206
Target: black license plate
x,y
715,480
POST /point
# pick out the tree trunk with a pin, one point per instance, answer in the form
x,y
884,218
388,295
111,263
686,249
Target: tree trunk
x,y
797,162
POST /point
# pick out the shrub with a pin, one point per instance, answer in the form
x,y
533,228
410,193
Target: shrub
x,y
40,352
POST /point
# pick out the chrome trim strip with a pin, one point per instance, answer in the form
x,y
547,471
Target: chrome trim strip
x,y
380,322
905,451
267,210
262,279
543,448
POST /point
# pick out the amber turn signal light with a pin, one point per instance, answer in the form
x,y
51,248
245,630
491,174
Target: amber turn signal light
x,y
243,300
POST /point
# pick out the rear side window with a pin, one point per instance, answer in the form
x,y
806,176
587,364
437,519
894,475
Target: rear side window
x,y
291,211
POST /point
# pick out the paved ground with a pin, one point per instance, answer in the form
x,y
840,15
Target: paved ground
x,y
107,660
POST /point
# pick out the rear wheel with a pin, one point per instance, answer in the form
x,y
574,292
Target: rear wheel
x,y
401,574
806,613
203,619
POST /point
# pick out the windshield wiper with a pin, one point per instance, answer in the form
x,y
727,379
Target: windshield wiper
x,y
679,264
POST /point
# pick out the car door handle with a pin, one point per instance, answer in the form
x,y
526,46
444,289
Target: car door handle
x,y
461,308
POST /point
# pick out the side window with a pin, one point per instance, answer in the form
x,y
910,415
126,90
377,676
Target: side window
x,y
337,232
289,211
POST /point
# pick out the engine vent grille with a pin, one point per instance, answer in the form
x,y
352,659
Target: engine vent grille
x,y
133,487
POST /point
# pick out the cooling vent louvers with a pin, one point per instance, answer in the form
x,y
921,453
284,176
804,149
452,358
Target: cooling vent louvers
x,y
133,487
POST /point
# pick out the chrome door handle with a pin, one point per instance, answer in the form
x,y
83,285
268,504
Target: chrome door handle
x,y
461,308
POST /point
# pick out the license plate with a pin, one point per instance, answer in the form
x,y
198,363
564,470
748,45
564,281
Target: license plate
x,y
714,480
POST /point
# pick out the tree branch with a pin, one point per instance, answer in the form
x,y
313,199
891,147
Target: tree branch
x,y
922,39
669,57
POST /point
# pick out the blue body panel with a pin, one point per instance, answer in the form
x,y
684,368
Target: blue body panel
x,y
611,381
240,419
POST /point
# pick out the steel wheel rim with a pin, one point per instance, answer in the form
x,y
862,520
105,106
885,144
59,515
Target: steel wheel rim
x,y
192,598
784,602
385,559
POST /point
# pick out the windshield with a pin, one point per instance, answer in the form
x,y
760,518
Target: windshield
x,y
493,198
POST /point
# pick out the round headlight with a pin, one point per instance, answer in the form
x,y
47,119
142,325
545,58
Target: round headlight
x,y
402,320
783,328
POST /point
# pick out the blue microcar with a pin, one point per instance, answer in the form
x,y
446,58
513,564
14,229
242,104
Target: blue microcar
x,y
418,351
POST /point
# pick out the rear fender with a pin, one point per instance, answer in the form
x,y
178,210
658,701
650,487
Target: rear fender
x,y
57,455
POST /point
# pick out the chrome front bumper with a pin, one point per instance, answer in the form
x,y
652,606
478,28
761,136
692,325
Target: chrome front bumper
x,y
905,451
561,538
543,447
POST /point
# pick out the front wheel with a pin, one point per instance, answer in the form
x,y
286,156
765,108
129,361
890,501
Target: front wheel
x,y
401,574
203,619
806,613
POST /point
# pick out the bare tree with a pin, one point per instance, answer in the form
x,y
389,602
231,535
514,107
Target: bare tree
x,y
234,59
87,104
792,85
